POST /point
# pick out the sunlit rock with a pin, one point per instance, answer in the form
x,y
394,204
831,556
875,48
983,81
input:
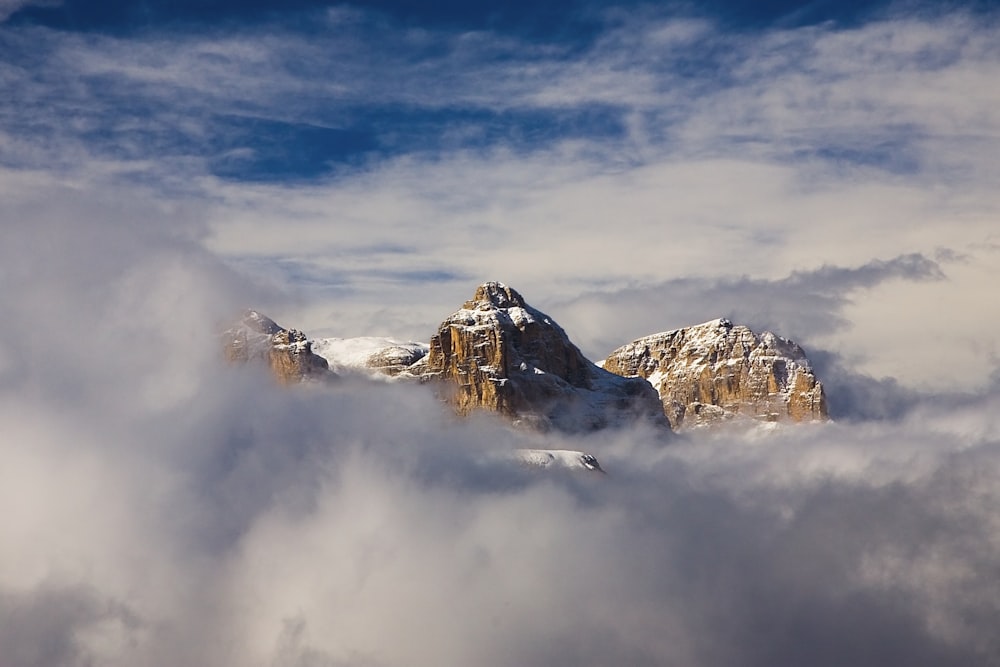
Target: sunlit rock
x,y
713,372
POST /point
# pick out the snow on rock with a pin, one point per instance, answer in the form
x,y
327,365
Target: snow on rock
x,y
370,355
498,353
288,352
557,458
715,371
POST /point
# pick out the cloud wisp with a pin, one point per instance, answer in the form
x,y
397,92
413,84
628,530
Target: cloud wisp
x,y
648,86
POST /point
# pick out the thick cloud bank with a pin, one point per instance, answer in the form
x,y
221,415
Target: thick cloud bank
x,y
160,508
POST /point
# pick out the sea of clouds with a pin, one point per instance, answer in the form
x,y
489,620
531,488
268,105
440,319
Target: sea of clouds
x,y
162,508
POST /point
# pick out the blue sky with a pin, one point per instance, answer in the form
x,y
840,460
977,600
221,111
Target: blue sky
x,y
340,113
825,170
328,113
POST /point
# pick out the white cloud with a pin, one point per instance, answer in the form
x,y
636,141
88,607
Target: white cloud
x,y
756,154
163,509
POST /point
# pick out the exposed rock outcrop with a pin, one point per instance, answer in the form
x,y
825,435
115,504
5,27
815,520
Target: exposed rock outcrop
x,y
500,354
286,351
714,371
497,353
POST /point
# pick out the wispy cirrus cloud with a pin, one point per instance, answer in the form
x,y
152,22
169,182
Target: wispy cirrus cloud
x,y
657,86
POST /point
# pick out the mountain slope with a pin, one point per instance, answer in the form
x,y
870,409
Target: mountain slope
x,y
715,371
371,356
500,354
288,352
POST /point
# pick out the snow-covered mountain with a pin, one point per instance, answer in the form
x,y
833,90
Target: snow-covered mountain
x,y
717,370
497,353
500,354
256,337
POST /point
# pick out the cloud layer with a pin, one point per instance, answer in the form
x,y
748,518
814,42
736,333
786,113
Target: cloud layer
x,y
360,176
164,509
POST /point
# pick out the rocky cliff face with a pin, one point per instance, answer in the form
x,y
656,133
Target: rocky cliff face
x,y
715,371
287,351
500,354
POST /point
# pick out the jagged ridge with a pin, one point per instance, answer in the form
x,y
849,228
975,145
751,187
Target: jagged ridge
x,y
499,354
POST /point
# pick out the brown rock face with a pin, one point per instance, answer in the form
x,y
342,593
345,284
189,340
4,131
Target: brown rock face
x,y
498,353
714,371
287,351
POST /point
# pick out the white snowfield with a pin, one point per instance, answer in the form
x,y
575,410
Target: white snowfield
x,y
356,354
557,458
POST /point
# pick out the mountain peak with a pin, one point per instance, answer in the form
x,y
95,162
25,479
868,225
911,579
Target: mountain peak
x,y
717,370
259,322
500,354
494,294
287,351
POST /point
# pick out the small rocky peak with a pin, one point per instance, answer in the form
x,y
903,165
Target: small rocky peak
x,y
493,295
260,323
288,337
288,353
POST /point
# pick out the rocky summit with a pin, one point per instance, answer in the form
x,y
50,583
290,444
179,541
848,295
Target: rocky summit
x,y
288,352
716,371
499,354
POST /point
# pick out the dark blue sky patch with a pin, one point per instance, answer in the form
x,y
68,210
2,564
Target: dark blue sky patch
x,y
127,16
255,149
755,14
570,22
263,149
